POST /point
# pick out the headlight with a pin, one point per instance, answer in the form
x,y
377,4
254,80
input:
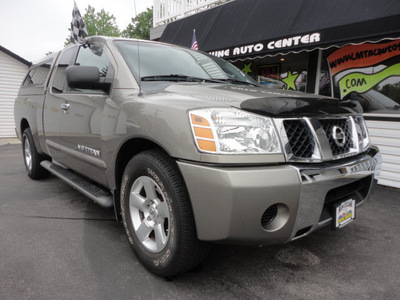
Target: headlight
x,y
233,131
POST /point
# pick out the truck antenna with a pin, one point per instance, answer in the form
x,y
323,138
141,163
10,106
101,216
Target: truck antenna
x,y
140,79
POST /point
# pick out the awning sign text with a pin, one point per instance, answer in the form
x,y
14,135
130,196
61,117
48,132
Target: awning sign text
x,y
268,45
294,41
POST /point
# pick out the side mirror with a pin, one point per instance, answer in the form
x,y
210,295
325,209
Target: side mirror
x,y
85,77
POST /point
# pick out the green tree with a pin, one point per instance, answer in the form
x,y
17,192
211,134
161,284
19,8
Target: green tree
x,y
100,23
140,26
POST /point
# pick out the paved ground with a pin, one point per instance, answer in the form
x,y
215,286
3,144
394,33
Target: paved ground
x,y
57,244
9,141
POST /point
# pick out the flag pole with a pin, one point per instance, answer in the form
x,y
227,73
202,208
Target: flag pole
x,y
194,45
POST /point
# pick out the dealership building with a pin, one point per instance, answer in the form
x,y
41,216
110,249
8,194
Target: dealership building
x,y
344,49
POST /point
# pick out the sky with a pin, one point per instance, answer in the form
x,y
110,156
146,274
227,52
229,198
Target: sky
x,y
32,28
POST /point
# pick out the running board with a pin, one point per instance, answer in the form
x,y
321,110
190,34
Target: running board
x,y
89,189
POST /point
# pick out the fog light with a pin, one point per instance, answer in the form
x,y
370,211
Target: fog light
x,y
275,217
269,216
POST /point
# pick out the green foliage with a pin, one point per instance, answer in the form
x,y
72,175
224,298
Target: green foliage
x,y
140,26
100,23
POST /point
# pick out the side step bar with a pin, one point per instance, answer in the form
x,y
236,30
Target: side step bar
x,y
89,189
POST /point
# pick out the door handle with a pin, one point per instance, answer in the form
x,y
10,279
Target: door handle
x,y
65,107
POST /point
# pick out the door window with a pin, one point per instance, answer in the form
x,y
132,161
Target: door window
x,y
93,55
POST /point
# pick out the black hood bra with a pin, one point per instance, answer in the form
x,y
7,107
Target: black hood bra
x,y
299,107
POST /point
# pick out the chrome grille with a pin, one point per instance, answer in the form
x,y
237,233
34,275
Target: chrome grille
x,y
300,138
318,139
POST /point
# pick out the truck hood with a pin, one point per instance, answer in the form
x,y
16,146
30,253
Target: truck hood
x,y
260,100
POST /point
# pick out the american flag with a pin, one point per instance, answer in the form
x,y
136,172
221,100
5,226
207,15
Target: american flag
x,y
194,41
78,28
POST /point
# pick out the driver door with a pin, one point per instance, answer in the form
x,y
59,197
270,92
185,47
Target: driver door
x,y
78,143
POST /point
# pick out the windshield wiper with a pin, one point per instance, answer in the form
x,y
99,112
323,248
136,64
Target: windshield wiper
x,y
177,77
187,78
232,80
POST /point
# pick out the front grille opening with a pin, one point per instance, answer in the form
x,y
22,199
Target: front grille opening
x,y
357,190
269,216
328,125
300,138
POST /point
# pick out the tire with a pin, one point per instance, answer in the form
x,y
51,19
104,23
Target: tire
x,y
157,215
31,157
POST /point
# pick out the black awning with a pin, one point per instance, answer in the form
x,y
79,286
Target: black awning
x,y
244,28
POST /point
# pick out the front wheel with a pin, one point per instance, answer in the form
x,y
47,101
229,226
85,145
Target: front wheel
x,y
157,215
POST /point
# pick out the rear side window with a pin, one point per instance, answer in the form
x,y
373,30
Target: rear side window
x,y
60,77
38,74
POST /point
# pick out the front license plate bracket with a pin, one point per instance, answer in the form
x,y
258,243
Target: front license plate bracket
x,y
344,213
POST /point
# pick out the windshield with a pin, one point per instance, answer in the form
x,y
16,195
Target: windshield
x,y
165,62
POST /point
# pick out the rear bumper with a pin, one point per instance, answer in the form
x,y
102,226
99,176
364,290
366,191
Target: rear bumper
x,y
229,202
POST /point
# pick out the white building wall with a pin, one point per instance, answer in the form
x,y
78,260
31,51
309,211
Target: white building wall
x,y
386,135
12,72
165,11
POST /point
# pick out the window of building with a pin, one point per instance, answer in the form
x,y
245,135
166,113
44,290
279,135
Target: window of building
x,y
287,72
368,73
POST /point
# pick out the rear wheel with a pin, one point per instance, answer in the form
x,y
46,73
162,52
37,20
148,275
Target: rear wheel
x,y
157,215
32,158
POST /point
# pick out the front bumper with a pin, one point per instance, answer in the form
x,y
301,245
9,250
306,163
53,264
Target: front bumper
x,y
229,202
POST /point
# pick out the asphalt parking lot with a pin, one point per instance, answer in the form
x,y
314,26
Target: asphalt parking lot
x,y
56,244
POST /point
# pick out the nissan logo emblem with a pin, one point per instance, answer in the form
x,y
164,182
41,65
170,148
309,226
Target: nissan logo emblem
x,y
338,136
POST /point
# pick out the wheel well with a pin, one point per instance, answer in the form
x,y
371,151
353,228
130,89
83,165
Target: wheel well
x,y
129,150
24,125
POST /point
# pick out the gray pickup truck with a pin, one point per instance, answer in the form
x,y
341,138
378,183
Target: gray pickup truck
x,y
189,150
